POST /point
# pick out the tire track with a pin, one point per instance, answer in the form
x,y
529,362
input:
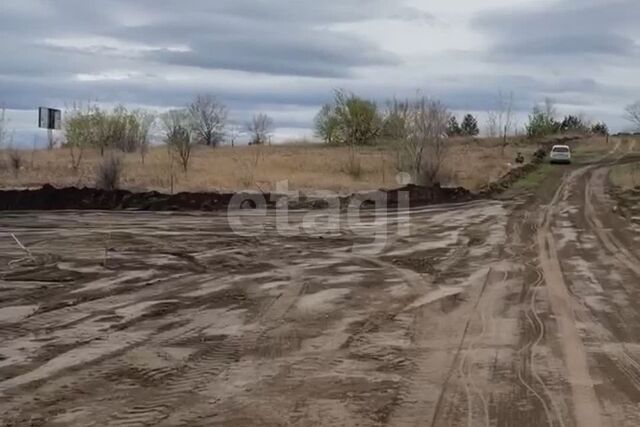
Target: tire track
x,y
614,246
181,390
587,410
458,364
552,412
467,360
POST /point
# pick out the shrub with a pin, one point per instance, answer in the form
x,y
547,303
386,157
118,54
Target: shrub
x,y
109,173
541,124
16,160
349,120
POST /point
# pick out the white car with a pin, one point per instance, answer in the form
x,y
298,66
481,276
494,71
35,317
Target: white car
x,y
561,154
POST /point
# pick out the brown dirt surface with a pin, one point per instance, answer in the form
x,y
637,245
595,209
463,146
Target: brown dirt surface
x,y
513,312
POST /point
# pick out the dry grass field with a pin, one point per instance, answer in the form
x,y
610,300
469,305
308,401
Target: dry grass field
x,y
626,176
305,166
471,164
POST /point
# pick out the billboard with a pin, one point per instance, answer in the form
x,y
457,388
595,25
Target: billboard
x,y
49,118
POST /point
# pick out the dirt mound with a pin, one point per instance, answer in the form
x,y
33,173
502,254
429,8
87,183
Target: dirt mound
x,y
51,198
515,175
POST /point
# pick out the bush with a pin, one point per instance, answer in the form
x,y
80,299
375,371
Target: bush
x,y
118,129
349,120
541,124
16,161
109,173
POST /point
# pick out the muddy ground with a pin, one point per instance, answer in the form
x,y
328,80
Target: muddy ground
x,y
513,312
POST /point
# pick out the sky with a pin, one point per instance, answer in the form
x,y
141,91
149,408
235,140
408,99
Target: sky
x,y
285,57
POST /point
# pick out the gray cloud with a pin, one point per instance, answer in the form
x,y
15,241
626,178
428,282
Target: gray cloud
x,y
279,55
569,29
284,37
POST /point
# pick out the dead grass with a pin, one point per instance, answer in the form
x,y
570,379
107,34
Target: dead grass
x,y
472,164
626,176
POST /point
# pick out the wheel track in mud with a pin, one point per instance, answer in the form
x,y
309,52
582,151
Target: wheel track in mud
x,y
611,243
180,389
482,310
313,363
624,256
533,318
58,319
458,365
528,351
586,406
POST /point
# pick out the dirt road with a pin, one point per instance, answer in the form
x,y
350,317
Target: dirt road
x,y
519,312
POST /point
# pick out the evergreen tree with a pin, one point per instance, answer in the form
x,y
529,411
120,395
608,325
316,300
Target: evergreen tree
x,y
453,128
600,129
470,126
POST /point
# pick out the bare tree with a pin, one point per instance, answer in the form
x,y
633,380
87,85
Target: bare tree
x,y
208,119
234,134
633,114
16,160
178,136
260,128
4,122
493,128
425,147
109,172
550,108
144,120
500,121
396,119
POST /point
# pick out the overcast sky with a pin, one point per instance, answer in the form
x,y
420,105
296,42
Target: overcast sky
x,y
284,57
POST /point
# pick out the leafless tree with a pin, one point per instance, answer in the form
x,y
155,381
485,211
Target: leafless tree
x,y
4,122
145,121
633,114
500,121
492,124
425,147
550,108
109,173
260,128
16,160
178,136
208,119
234,134
396,119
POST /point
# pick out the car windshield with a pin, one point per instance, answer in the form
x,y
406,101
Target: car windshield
x,y
560,150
